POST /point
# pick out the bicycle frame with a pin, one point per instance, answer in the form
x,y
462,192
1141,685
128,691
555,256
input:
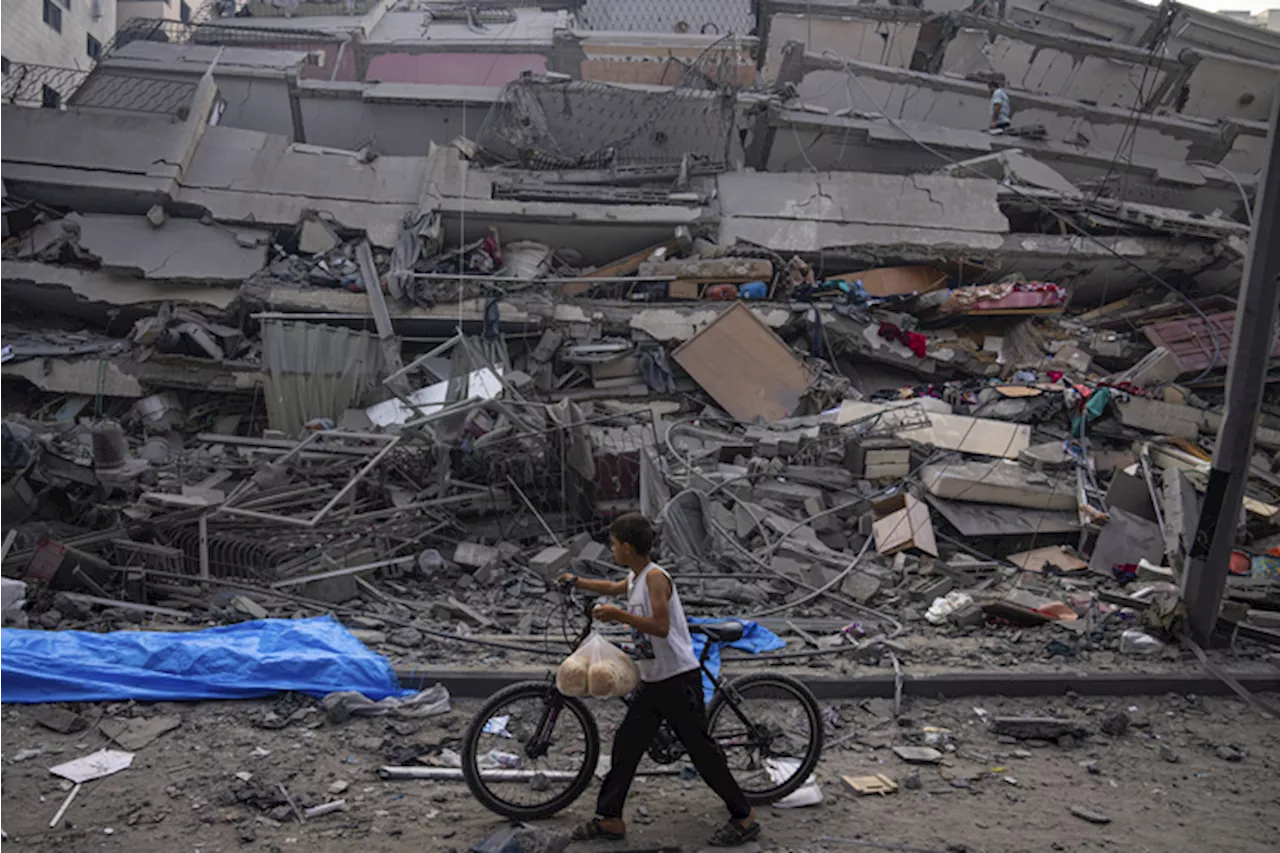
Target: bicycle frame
x,y
541,741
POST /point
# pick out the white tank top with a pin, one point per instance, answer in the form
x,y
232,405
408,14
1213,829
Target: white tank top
x,y
660,658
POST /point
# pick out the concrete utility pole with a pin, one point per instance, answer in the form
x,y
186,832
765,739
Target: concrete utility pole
x,y
1251,346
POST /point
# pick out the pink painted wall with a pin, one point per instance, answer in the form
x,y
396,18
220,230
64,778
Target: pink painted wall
x,y
464,69
346,66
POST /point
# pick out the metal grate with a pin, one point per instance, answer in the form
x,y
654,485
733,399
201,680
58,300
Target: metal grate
x,y
305,8
718,17
557,124
177,32
112,91
26,84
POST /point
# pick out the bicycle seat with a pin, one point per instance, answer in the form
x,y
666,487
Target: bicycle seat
x,y
720,632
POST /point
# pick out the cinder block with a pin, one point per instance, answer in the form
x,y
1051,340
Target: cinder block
x,y
1162,418
550,562
594,551
473,555
577,543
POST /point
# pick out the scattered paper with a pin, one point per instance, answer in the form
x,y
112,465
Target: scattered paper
x,y
497,726
104,762
808,794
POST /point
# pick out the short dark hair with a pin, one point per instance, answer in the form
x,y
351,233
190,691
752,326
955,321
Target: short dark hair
x,y
635,530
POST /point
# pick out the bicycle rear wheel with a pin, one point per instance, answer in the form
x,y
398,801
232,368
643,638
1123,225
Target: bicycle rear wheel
x,y
770,728
530,751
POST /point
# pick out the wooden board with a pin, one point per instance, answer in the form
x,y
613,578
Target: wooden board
x,y
1055,555
877,784
897,281
621,267
1017,391
1191,340
683,289
746,368
906,527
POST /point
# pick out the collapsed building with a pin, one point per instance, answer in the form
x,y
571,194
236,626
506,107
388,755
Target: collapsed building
x,y
305,305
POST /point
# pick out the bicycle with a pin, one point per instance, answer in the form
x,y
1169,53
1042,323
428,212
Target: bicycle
x,y
519,777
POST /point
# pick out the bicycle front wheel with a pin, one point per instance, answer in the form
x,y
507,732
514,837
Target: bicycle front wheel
x,y
530,751
770,729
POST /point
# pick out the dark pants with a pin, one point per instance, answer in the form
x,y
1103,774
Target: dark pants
x,y
679,701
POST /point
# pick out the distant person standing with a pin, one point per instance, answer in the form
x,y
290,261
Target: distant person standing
x,y
1001,111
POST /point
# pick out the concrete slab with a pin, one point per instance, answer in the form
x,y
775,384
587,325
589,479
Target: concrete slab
x,y
250,176
1126,538
1160,418
1004,483
182,249
1181,507
56,288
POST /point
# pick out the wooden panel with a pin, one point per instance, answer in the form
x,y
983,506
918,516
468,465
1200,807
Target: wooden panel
x,y
897,281
621,267
903,522
747,369
1054,555
1191,341
878,784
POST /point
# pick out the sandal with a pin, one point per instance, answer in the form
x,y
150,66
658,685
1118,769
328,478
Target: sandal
x,y
592,830
734,834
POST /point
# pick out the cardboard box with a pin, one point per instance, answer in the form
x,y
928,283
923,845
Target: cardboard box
x,y
902,522
682,289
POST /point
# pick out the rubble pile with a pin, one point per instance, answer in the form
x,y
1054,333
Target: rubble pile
x,y
884,398
873,454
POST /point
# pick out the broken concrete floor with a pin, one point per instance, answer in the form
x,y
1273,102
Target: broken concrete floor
x,y
989,793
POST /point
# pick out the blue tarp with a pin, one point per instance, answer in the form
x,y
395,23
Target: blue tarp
x,y
314,656
755,639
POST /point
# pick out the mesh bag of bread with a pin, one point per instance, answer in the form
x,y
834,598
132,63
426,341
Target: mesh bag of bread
x,y
597,668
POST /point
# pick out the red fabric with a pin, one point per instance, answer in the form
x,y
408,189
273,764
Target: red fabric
x,y
917,343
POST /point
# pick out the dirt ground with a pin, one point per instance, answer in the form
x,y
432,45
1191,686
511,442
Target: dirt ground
x,y
1190,774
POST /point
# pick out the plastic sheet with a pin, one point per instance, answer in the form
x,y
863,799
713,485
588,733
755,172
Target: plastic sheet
x,y
755,639
313,656
597,668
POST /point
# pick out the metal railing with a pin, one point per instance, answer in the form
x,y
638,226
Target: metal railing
x,y
48,86
216,32
114,91
41,85
307,8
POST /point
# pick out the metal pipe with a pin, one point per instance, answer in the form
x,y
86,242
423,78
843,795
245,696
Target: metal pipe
x,y
337,573
440,276
315,519
454,774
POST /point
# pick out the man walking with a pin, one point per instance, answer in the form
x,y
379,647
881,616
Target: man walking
x,y
670,689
